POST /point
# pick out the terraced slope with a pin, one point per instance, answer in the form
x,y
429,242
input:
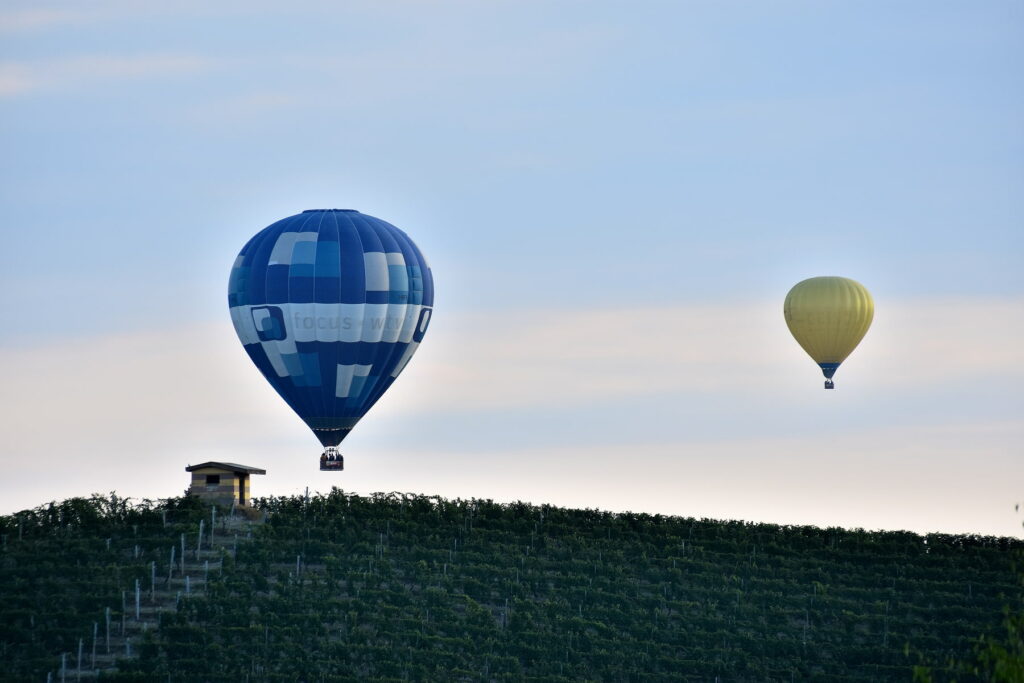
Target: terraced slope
x,y
70,571
397,587
404,587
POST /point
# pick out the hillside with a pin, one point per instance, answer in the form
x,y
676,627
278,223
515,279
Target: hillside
x,y
402,587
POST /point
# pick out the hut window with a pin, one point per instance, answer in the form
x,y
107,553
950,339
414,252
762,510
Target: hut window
x,y
213,480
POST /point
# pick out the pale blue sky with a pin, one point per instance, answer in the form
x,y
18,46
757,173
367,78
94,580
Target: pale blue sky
x,y
615,198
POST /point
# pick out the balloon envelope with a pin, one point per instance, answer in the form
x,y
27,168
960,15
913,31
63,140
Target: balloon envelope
x,y
330,306
828,316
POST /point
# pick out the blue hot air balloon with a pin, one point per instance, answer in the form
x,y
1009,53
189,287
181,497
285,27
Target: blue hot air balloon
x,y
331,305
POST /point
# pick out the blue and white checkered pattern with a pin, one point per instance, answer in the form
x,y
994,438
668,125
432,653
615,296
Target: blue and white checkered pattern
x,y
330,305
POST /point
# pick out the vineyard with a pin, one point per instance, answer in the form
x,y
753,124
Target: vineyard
x,y
403,587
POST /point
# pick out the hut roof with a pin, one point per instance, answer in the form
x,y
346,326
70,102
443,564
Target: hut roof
x,y
229,466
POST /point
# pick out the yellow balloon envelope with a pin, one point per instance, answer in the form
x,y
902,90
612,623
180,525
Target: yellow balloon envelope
x,y
828,316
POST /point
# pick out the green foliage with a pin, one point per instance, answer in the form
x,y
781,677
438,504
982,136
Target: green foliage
x,y
1002,659
398,586
998,657
62,564
401,587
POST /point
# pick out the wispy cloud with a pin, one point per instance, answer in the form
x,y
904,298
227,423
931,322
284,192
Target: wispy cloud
x,y
476,362
518,358
237,110
17,78
33,19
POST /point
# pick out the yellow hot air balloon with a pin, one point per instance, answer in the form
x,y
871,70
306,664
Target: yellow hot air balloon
x,y
828,316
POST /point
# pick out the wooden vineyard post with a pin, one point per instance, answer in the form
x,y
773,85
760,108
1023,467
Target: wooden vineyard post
x,y
199,543
170,568
885,637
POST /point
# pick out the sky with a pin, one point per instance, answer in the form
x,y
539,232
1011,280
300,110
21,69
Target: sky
x,y
614,199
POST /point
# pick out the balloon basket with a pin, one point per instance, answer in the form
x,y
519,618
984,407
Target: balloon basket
x,y
332,461
829,384
335,466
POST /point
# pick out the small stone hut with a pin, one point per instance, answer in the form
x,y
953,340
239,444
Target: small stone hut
x,y
222,482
